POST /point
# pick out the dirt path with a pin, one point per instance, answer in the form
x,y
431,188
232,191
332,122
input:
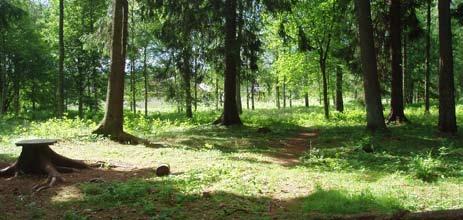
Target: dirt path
x,y
294,147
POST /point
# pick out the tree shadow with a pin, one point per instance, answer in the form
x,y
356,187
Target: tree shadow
x,y
138,194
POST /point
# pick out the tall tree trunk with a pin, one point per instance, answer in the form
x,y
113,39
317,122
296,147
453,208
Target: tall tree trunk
x,y
447,118
290,98
60,95
339,97
248,94
3,90
326,104
253,88
397,97
306,99
217,98
374,109
230,114
284,92
238,91
145,76
428,58
186,73
112,123
277,91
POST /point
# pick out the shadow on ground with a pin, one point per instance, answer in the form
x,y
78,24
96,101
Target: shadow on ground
x,y
137,194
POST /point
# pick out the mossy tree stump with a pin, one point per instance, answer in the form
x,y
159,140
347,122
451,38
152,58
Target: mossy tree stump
x,y
37,158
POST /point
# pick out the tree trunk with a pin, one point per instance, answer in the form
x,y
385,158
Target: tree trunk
x,y
284,92
374,109
306,99
217,98
238,92
2,74
277,91
447,118
60,95
112,123
186,73
339,97
230,114
145,76
326,104
397,96
290,98
253,88
428,58
248,94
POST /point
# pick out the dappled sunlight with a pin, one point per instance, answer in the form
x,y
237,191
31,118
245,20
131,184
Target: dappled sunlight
x,y
67,194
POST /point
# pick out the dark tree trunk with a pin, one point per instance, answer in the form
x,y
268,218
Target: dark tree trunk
x,y
428,58
60,95
284,92
306,99
230,114
217,98
397,97
112,123
3,88
253,90
238,92
447,118
277,91
326,103
248,94
375,117
145,76
186,73
339,96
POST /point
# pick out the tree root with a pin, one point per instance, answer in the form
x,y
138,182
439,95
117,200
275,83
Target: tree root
x,y
49,183
43,161
400,119
10,171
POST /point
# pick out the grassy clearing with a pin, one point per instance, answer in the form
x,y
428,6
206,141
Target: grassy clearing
x,y
236,172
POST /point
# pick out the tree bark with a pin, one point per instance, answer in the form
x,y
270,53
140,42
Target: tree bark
x,y
397,94
447,118
374,109
339,95
326,103
112,123
428,58
253,90
277,91
145,76
186,73
60,95
230,114
284,92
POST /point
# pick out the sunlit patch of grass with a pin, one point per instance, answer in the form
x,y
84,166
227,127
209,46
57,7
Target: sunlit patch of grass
x,y
224,172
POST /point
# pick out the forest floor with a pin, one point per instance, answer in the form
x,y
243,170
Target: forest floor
x,y
305,167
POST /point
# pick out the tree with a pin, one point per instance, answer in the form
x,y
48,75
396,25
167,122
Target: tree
x,y
339,97
447,118
230,115
60,96
397,97
375,117
112,123
428,58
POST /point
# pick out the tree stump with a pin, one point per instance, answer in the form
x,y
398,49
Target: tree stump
x,y
37,158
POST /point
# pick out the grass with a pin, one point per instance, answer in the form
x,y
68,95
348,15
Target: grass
x,y
236,172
